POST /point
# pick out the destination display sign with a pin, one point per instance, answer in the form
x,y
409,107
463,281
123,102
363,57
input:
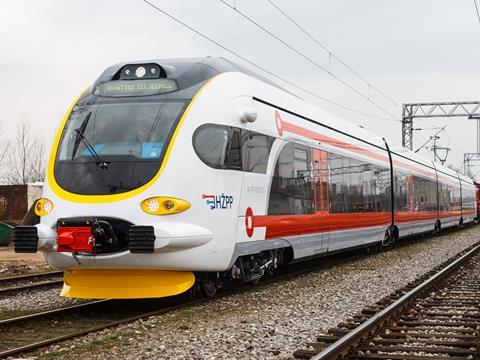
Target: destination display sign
x,y
135,87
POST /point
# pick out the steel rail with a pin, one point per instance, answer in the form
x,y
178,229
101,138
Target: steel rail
x,y
29,286
43,343
47,313
5,282
30,276
343,346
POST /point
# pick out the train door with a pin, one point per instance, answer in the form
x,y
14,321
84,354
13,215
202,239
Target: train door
x,y
321,193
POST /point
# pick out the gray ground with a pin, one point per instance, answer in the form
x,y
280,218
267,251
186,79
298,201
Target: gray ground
x,y
270,322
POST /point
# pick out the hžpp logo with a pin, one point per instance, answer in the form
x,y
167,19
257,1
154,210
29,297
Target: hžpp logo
x,y
218,201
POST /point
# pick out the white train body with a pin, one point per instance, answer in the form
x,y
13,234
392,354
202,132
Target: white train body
x,y
228,211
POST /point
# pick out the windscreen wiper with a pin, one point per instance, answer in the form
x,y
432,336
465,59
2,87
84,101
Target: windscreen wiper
x,y
80,137
102,164
80,130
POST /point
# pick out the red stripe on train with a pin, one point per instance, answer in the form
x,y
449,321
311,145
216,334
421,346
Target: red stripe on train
x,y
291,225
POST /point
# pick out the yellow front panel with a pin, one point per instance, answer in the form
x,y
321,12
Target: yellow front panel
x,y
125,284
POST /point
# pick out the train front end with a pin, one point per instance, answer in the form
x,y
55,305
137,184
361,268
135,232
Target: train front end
x,y
119,211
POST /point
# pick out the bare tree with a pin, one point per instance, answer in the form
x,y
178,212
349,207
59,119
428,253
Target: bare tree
x,y
3,146
26,157
38,160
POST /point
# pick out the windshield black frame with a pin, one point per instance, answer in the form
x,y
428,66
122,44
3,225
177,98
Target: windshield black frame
x,y
81,175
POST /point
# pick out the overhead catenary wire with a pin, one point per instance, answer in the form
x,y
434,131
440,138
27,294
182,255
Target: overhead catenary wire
x,y
449,137
331,54
308,59
250,62
451,154
431,137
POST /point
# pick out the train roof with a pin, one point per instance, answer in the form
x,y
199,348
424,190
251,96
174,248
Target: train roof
x,y
200,68
191,73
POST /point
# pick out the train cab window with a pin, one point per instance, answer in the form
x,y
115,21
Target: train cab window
x,y
233,155
128,135
211,144
225,147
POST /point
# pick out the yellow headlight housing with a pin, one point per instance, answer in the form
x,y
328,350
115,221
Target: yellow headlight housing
x,y
161,205
43,207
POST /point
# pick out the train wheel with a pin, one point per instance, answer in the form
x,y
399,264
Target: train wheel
x,y
255,281
208,286
209,289
389,238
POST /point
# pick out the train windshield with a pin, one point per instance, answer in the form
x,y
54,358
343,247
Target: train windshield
x,y
114,147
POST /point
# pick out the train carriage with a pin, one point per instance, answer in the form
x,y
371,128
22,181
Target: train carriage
x,y
174,171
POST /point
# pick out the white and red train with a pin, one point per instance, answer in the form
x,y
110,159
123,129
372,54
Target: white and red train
x,y
174,171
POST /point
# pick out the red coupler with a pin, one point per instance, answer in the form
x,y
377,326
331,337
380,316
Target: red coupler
x,y
75,239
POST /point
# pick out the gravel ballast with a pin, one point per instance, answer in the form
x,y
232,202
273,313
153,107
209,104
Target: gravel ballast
x,y
34,301
271,321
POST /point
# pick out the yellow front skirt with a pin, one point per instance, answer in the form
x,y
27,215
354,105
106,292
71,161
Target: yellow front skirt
x,y
124,284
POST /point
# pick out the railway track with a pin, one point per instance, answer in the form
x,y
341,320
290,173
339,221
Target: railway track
x,y
435,317
31,332
15,284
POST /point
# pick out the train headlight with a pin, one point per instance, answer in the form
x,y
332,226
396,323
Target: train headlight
x,y
43,207
140,72
160,205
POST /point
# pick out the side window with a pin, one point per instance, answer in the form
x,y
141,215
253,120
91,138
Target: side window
x,y
401,192
292,183
225,147
425,194
211,144
256,150
356,186
442,196
448,198
233,156
354,173
282,191
337,184
302,165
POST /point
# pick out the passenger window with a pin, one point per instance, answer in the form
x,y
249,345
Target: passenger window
x,y
282,195
302,164
256,152
337,184
292,182
356,186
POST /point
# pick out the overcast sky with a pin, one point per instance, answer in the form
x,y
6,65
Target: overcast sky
x,y
412,50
